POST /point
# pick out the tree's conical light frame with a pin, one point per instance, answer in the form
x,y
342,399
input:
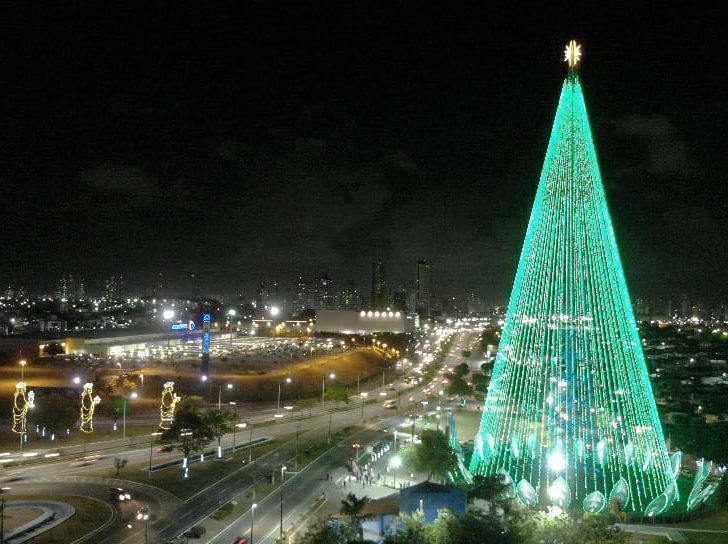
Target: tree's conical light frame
x,y
570,394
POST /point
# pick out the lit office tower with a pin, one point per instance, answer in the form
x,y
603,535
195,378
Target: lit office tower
x,y
114,288
380,291
570,417
424,289
71,287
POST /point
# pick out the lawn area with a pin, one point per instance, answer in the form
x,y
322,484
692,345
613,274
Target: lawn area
x,y
635,538
716,521
264,487
90,514
200,475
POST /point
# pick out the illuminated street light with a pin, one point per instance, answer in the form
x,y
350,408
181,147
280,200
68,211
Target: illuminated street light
x,y
143,515
274,311
283,471
133,396
288,380
323,386
395,463
252,518
219,394
235,428
168,314
151,444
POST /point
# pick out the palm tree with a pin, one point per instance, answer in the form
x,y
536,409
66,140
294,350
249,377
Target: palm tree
x,y
353,506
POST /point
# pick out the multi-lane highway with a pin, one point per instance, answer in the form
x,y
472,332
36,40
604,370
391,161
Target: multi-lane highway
x,y
175,516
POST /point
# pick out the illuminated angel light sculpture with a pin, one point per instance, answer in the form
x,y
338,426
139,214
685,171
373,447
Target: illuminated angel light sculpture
x,y
88,406
570,417
169,403
22,400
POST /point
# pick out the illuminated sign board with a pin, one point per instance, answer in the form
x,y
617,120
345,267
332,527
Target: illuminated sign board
x,y
189,326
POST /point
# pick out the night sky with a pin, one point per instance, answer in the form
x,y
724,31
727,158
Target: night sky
x,y
311,138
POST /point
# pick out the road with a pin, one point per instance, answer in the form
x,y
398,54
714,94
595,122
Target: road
x,y
299,491
178,517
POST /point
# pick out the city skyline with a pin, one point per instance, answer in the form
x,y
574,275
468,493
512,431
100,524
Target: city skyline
x,y
263,152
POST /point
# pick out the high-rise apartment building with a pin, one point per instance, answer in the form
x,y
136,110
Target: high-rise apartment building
x,y
114,288
424,289
380,291
71,287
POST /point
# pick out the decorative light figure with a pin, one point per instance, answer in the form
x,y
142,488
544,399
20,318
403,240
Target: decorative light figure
x,y
169,403
88,406
22,400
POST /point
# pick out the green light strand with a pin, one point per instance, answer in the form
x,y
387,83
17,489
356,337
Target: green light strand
x,y
570,395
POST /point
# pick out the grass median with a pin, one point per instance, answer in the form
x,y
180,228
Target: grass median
x,y
200,475
241,504
90,515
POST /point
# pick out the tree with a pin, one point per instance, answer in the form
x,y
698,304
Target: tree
x,y
353,506
432,455
412,530
466,353
338,393
219,423
188,430
481,382
458,386
56,413
461,370
469,529
537,527
488,488
119,464
325,532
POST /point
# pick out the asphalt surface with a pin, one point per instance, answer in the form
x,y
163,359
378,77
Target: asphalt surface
x,y
175,517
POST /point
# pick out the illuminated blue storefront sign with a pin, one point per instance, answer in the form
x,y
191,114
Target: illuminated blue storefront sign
x,y
189,326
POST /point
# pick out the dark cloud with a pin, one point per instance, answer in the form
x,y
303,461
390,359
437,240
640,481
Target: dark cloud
x,y
121,179
666,149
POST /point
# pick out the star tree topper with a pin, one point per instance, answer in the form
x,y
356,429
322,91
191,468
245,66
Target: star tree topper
x,y
572,54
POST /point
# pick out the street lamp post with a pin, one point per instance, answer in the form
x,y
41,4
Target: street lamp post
x,y
123,434
219,395
252,520
298,428
363,401
235,428
231,314
22,363
323,386
283,471
151,444
395,464
168,315
288,380
250,445
143,515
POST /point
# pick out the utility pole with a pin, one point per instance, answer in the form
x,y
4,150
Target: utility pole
x,y
298,427
2,521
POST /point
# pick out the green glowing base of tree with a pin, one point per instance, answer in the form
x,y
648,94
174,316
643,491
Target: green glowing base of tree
x,y
570,416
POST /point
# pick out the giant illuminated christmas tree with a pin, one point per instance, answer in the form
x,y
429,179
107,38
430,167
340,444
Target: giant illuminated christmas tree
x,y
570,417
